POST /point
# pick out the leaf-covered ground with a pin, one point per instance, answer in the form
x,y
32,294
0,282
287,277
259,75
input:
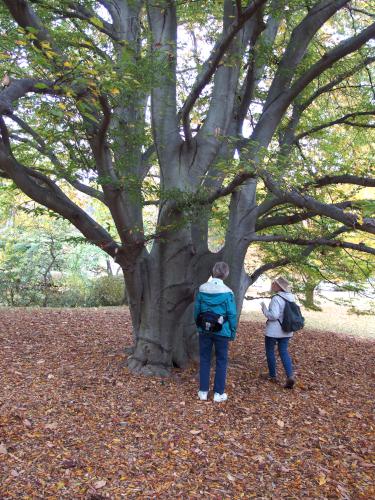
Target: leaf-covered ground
x,y
74,424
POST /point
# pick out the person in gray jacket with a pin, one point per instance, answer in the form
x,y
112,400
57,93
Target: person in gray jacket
x,y
274,334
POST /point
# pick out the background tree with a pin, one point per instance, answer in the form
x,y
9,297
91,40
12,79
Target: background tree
x,y
44,262
134,103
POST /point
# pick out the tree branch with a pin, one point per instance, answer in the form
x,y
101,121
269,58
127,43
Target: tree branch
x,y
338,121
361,247
42,147
335,81
343,49
44,191
212,63
285,220
267,267
340,179
163,23
304,201
297,46
284,262
84,14
18,88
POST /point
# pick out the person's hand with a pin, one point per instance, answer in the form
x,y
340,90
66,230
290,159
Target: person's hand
x,y
263,306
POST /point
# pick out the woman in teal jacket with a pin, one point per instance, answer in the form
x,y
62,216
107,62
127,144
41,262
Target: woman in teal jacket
x,y
215,297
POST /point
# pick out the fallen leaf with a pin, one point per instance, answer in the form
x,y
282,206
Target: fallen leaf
x,y
69,464
3,449
281,424
52,426
100,484
27,423
322,479
195,432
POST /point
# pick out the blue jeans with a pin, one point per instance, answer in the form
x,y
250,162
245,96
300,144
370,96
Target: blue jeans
x,y
282,344
221,350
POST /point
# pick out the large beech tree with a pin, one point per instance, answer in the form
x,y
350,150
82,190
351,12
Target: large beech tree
x,y
187,109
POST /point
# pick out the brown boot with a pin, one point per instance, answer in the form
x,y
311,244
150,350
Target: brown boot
x,y
290,381
266,376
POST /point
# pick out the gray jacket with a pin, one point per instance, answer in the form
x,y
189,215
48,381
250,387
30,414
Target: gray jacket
x,y
275,313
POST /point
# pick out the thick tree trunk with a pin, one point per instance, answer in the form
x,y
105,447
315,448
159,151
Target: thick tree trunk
x,y
161,289
242,220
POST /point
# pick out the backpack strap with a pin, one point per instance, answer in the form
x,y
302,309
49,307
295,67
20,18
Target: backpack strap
x,y
281,297
286,300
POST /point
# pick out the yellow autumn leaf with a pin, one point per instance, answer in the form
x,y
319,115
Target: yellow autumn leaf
x,y
115,91
50,54
67,64
322,479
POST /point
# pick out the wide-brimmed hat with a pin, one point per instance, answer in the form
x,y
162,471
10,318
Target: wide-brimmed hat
x,y
283,283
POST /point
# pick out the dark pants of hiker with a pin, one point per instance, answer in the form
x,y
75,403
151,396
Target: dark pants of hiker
x,y
282,344
221,350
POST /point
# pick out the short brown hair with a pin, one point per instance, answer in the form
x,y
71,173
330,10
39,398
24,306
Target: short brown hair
x,y
220,270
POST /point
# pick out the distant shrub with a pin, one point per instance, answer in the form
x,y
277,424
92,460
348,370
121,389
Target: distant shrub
x,y
106,291
69,292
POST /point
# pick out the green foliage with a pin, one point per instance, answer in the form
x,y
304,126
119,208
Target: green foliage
x,y
44,263
106,291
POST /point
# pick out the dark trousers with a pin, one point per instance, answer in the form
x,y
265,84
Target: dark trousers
x,y
221,351
282,344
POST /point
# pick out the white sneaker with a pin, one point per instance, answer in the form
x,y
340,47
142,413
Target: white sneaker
x,y
202,395
219,398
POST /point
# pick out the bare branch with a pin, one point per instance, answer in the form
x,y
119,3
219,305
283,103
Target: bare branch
x,y
343,49
239,8
46,192
232,186
42,147
18,88
335,81
340,179
361,247
361,11
285,220
83,13
304,201
284,262
342,120
267,267
213,62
